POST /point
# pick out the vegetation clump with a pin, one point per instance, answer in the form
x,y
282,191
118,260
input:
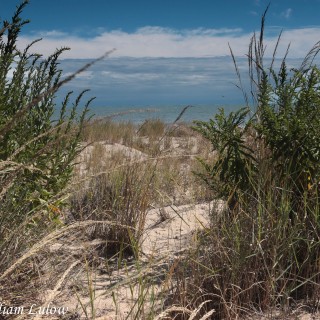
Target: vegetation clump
x,y
262,249
265,249
37,153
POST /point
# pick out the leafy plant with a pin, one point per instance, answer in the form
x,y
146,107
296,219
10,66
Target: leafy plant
x,y
235,159
267,167
36,151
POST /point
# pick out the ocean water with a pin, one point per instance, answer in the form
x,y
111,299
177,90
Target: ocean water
x,y
167,114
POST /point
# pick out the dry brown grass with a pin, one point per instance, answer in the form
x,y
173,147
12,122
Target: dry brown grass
x,y
109,131
115,181
168,152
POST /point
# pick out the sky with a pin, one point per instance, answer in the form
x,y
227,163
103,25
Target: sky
x,y
168,52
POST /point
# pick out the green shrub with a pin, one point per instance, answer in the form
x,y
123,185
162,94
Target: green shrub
x,y
235,162
265,248
36,152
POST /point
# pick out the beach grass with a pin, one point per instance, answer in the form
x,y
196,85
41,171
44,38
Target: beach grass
x,y
76,195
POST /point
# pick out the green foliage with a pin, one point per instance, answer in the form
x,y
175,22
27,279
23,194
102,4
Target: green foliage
x,y
290,122
234,161
268,169
283,133
36,152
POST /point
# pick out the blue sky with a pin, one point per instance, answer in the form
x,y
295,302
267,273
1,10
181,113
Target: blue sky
x,y
86,18
168,52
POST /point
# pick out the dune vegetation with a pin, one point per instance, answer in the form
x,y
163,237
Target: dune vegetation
x,y
217,219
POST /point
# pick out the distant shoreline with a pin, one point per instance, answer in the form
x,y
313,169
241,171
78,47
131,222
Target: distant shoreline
x,y
167,114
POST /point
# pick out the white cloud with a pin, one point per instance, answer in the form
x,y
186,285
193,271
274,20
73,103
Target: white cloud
x,y
52,34
86,75
164,42
287,13
145,42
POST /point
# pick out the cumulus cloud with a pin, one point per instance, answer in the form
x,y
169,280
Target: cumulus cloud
x,y
145,42
164,42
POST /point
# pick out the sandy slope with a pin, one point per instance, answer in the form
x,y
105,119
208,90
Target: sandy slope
x,y
122,288
164,242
